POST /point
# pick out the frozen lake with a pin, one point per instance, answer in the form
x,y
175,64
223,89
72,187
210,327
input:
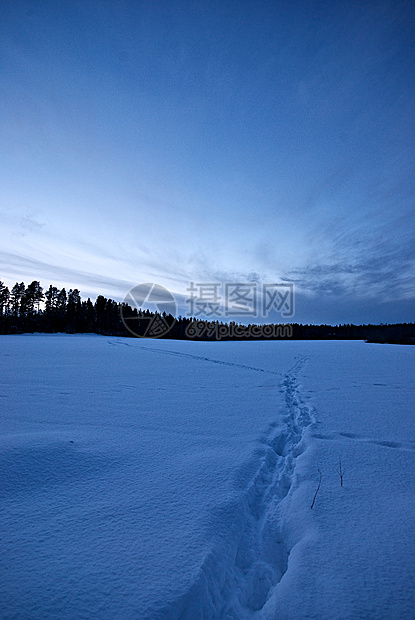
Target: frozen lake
x,y
173,480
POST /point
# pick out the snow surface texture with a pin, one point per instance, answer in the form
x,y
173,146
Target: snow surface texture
x,y
173,480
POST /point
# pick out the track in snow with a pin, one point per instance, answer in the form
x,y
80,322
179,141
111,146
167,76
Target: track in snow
x,y
406,446
237,580
263,553
195,357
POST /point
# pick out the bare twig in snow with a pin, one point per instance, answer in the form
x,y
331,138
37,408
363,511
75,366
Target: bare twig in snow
x,y
340,471
318,488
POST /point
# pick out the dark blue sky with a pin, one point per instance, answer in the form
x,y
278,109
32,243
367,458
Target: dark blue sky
x,y
173,142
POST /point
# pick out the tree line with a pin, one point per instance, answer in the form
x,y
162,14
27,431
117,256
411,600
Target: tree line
x,y
31,309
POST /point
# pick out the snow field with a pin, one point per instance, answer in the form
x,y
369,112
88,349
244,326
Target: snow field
x,y
361,563
165,479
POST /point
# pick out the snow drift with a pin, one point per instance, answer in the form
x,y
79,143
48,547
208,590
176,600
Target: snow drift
x,y
163,479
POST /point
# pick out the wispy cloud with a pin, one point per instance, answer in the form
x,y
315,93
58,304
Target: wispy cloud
x,y
14,266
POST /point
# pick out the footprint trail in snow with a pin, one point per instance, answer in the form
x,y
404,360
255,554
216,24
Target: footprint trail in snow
x,y
239,580
263,553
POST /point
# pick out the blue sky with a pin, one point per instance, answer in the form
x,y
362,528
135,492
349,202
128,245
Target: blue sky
x,y
177,142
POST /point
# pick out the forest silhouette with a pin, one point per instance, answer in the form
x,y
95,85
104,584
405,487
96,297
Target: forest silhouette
x,y
28,309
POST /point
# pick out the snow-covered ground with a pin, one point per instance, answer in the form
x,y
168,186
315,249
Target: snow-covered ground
x,y
174,480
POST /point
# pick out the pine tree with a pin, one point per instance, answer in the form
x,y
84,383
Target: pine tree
x,y
32,297
4,298
61,302
51,299
73,308
16,296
